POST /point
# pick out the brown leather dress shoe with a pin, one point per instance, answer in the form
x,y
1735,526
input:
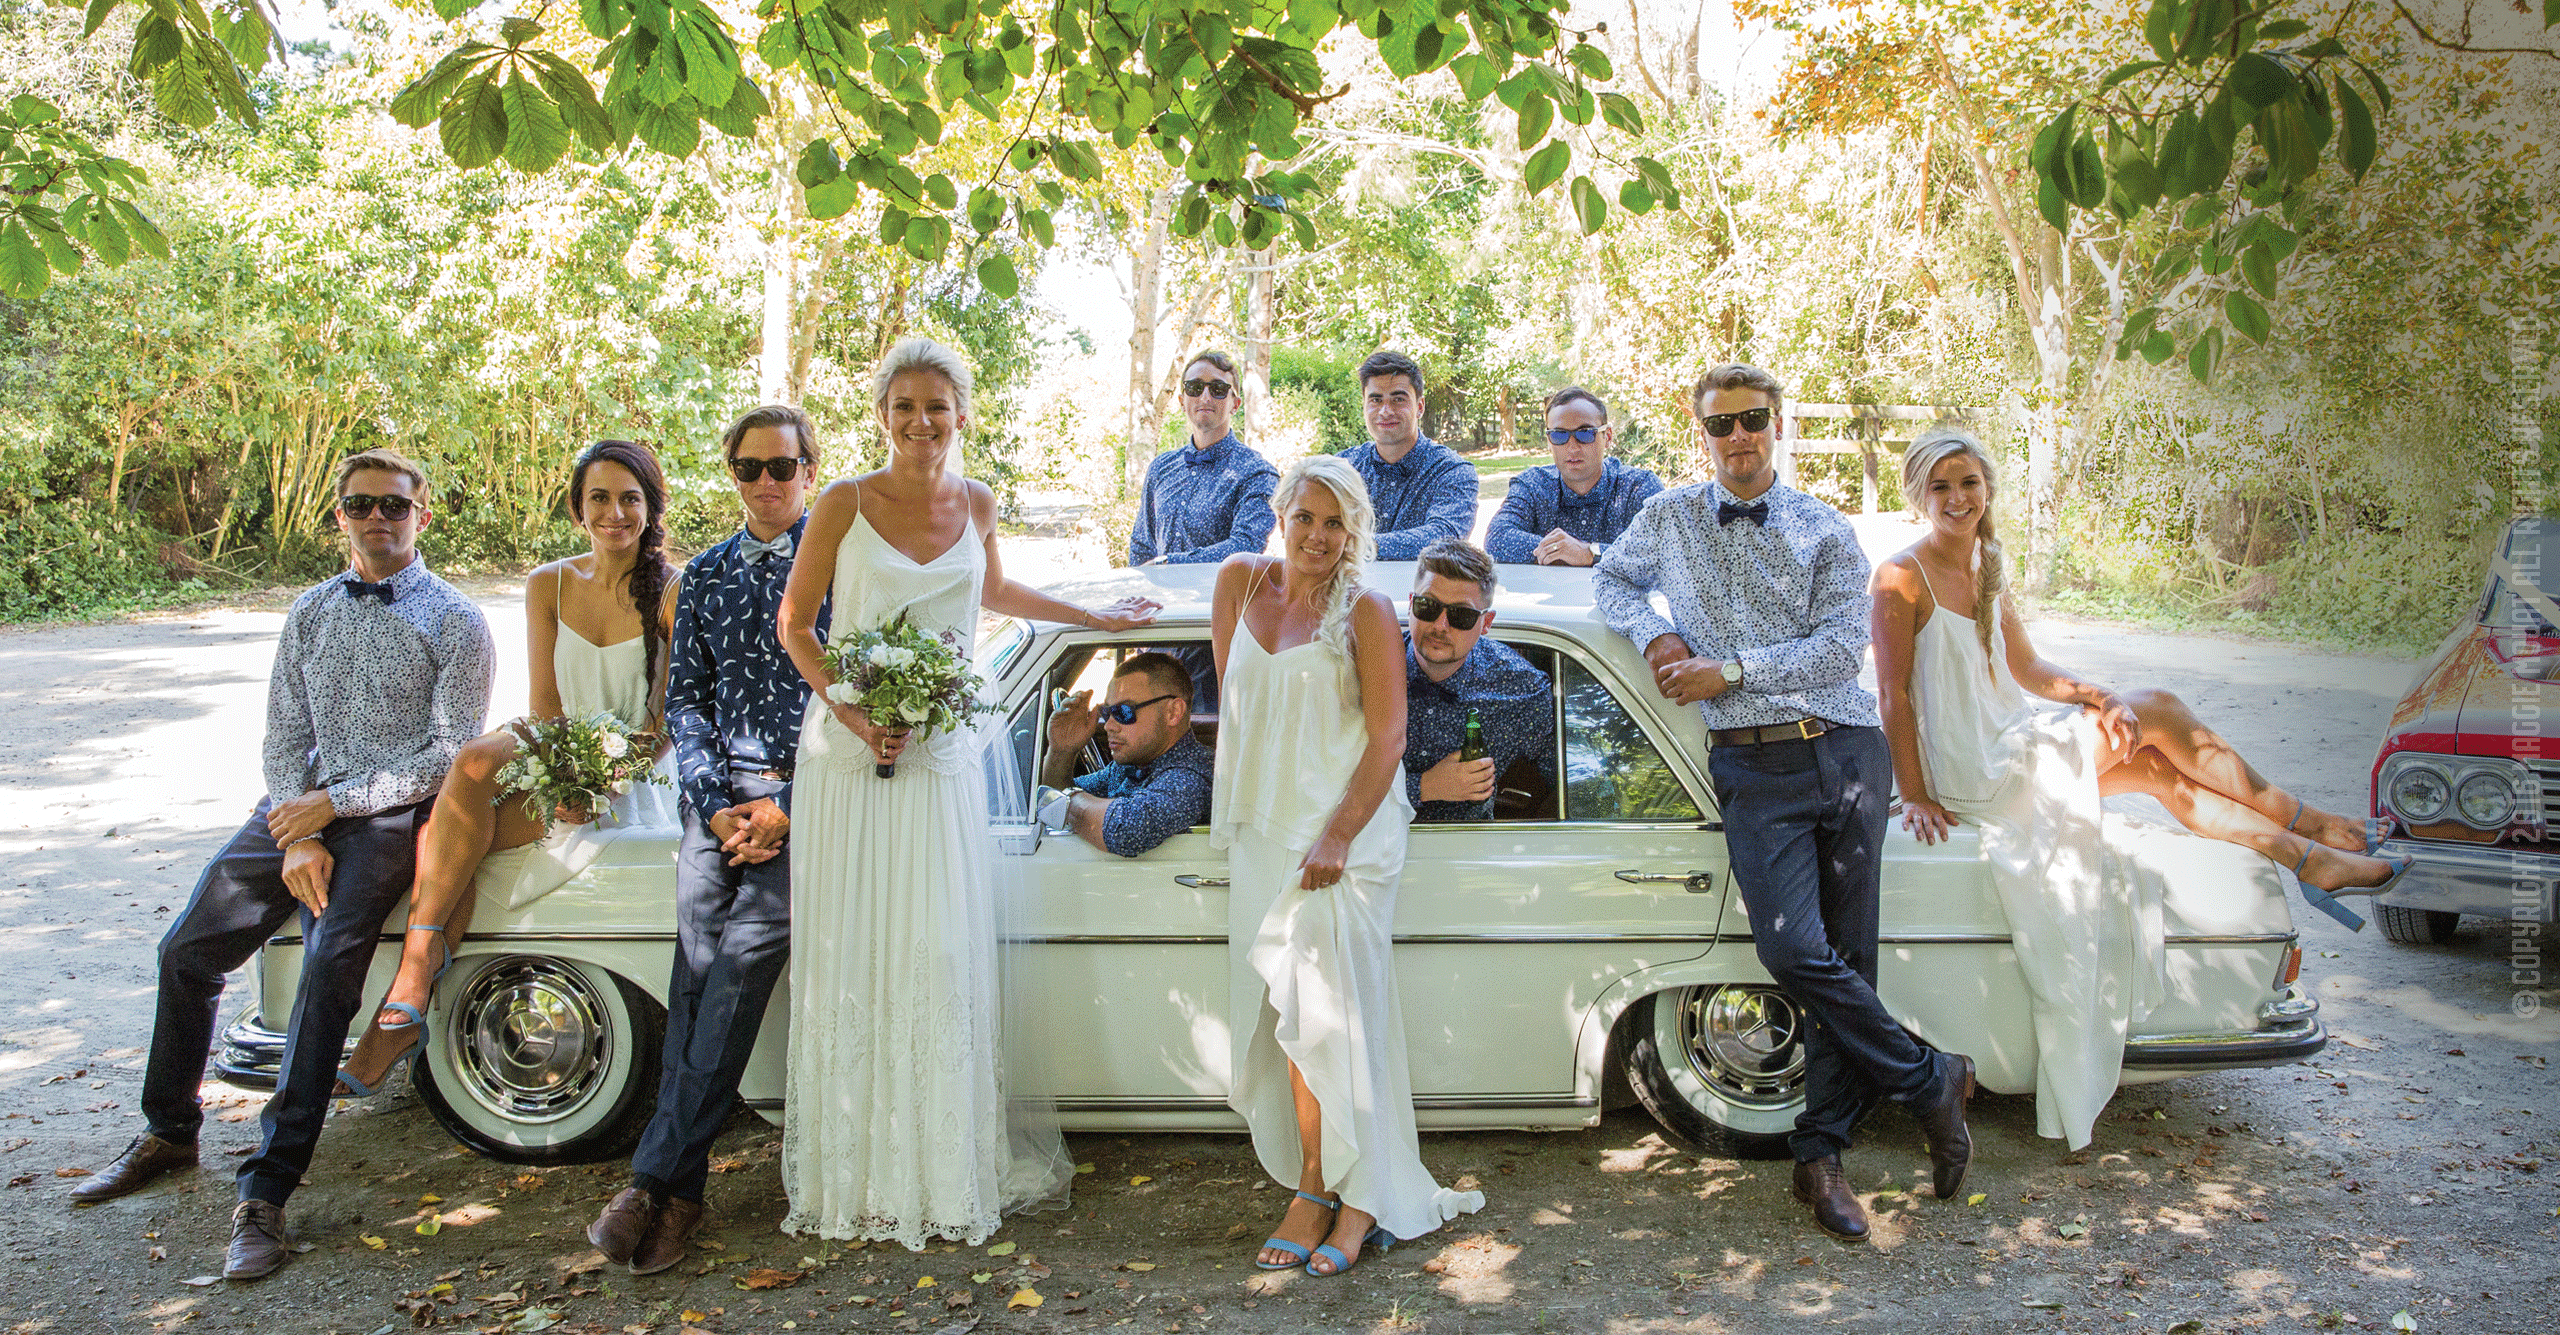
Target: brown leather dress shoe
x,y
625,1221
257,1241
1824,1185
1950,1141
141,1164
668,1236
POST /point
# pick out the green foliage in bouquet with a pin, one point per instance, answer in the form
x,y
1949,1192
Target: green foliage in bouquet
x,y
905,678
576,763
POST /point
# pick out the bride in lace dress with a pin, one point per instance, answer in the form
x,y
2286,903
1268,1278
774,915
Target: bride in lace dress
x,y
896,1124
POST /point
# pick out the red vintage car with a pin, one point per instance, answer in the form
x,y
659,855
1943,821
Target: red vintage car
x,y
2466,775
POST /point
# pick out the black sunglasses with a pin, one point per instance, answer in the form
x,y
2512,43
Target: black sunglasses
x,y
1216,389
356,506
1720,425
1126,712
780,470
1584,434
1461,616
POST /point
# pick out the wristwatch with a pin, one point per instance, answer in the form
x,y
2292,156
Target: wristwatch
x,y
1732,671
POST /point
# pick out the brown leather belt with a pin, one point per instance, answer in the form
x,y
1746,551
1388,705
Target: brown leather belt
x,y
1802,730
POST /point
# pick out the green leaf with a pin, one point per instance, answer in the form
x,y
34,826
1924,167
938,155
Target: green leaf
x,y
1475,75
245,35
98,11
146,233
995,274
2246,315
2358,143
2282,30
1634,197
23,272
833,197
2088,174
183,91
474,124
58,250
107,236
423,100
576,100
2258,266
2136,330
536,136
29,109
1036,225
1589,208
941,191
2259,80
668,130
2125,71
710,63
2201,357
924,238
779,44
1430,44
1546,166
2050,203
156,42
893,225
986,210
2160,28
453,9
1620,111
2137,182
1590,59
1536,114
737,118
2156,349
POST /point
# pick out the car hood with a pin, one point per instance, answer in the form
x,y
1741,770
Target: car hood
x,y
2507,695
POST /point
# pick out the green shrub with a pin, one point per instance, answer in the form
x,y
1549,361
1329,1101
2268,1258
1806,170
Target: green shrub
x,y
66,557
1319,386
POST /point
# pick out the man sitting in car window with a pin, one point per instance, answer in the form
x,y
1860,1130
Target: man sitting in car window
x,y
1452,672
1157,784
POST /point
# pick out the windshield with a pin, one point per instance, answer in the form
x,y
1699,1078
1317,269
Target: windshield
x,y
1003,639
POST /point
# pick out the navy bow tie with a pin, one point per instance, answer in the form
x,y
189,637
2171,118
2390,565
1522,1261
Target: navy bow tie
x,y
357,588
752,549
1727,512
1200,458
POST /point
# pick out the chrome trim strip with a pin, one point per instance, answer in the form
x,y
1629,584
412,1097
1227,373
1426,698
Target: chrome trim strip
x,y
1431,939
1440,1102
2477,879
1417,939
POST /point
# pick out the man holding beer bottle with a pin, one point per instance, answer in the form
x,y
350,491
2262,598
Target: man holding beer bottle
x,y
1473,707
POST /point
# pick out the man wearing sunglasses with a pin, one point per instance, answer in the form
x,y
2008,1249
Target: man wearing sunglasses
x,y
1211,498
734,706
381,675
1567,514
1452,670
1157,784
1768,596
1421,489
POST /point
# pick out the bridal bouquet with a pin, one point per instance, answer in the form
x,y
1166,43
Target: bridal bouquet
x,y
579,763
903,677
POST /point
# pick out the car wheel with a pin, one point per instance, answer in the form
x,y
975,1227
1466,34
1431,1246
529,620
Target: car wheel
x,y
1720,1066
536,1060
2417,927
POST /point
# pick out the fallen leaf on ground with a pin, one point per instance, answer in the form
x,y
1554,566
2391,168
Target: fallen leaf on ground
x,y
71,1172
2071,1230
577,1263
1140,1180
1023,1301
982,1276
371,1241
1139,1266
1006,1248
1084,1168
159,1253
926,1281
431,1225
769,1279
1977,1198
689,1316
2401,1320
199,1281
431,1199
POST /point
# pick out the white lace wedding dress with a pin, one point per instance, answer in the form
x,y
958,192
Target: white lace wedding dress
x,y
896,1125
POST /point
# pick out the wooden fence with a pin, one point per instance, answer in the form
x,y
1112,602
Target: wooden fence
x,y
1877,432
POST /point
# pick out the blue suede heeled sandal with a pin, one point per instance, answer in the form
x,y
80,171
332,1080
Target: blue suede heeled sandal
x,y
1280,1244
2327,900
416,1028
1379,1240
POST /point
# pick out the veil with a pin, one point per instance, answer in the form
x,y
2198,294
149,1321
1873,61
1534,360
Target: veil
x,y
1040,1173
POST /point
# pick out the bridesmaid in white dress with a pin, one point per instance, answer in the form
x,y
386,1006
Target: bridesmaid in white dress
x,y
623,594
895,1124
1970,745
1309,804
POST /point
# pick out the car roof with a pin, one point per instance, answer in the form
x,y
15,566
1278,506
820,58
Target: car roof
x,y
1556,596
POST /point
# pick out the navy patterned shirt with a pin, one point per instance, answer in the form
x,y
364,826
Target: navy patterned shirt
x,y
1153,802
373,700
734,701
1539,503
1787,598
1427,495
1204,505
1511,700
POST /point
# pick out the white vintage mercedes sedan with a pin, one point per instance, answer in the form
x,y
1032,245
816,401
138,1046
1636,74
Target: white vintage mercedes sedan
x,y
1588,933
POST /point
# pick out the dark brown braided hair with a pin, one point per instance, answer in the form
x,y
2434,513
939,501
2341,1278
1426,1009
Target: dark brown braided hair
x,y
648,573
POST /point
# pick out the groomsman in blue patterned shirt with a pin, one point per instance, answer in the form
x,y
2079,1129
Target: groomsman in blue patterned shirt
x,y
1567,513
1452,670
381,675
1767,591
1157,784
1212,498
734,705
1421,489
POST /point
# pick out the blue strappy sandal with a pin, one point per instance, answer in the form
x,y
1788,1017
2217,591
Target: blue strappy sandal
x,y
2327,900
1379,1241
2376,828
416,1027
1280,1244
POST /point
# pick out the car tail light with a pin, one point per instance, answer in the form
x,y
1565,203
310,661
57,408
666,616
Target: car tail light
x,y
2292,970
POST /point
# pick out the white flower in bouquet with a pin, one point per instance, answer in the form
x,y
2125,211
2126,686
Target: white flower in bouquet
x,y
843,693
615,745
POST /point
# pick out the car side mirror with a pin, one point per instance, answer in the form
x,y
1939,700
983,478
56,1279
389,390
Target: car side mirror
x,y
1016,839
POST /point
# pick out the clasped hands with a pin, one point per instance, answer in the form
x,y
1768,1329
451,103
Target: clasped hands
x,y
751,832
1681,675
1560,548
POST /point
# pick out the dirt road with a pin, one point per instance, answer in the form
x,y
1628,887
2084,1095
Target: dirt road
x,y
2404,1171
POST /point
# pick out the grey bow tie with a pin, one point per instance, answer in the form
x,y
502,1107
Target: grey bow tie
x,y
752,550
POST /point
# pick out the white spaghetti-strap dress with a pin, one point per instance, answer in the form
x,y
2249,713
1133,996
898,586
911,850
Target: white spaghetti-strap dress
x,y
2085,918
1311,978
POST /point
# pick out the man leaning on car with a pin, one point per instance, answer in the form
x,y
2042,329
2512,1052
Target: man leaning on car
x,y
1157,784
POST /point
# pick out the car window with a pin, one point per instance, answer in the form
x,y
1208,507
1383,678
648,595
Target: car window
x,y
1090,668
1613,772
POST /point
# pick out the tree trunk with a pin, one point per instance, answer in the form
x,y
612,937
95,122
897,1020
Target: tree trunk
x,y
1212,283
1509,408
781,291
1260,303
1137,444
813,303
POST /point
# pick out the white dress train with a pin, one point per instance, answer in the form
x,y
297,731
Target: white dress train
x,y
896,1124
1311,978
594,679
2084,914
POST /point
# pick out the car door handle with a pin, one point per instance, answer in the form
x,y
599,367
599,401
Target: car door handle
x,y
1695,882
1189,882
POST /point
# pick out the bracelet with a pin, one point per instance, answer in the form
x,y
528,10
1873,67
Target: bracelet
x,y
303,840
1084,618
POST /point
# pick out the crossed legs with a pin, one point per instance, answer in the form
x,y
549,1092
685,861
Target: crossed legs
x,y
2204,782
470,822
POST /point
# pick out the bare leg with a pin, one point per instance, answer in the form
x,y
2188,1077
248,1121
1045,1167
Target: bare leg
x,y
2198,752
2210,813
469,823
1305,1222
1351,1224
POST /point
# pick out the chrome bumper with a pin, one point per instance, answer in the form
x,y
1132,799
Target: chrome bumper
x,y
2490,881
252,1055
2289,1030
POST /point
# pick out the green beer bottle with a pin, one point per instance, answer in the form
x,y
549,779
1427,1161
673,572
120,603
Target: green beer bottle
x,y
1473,747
